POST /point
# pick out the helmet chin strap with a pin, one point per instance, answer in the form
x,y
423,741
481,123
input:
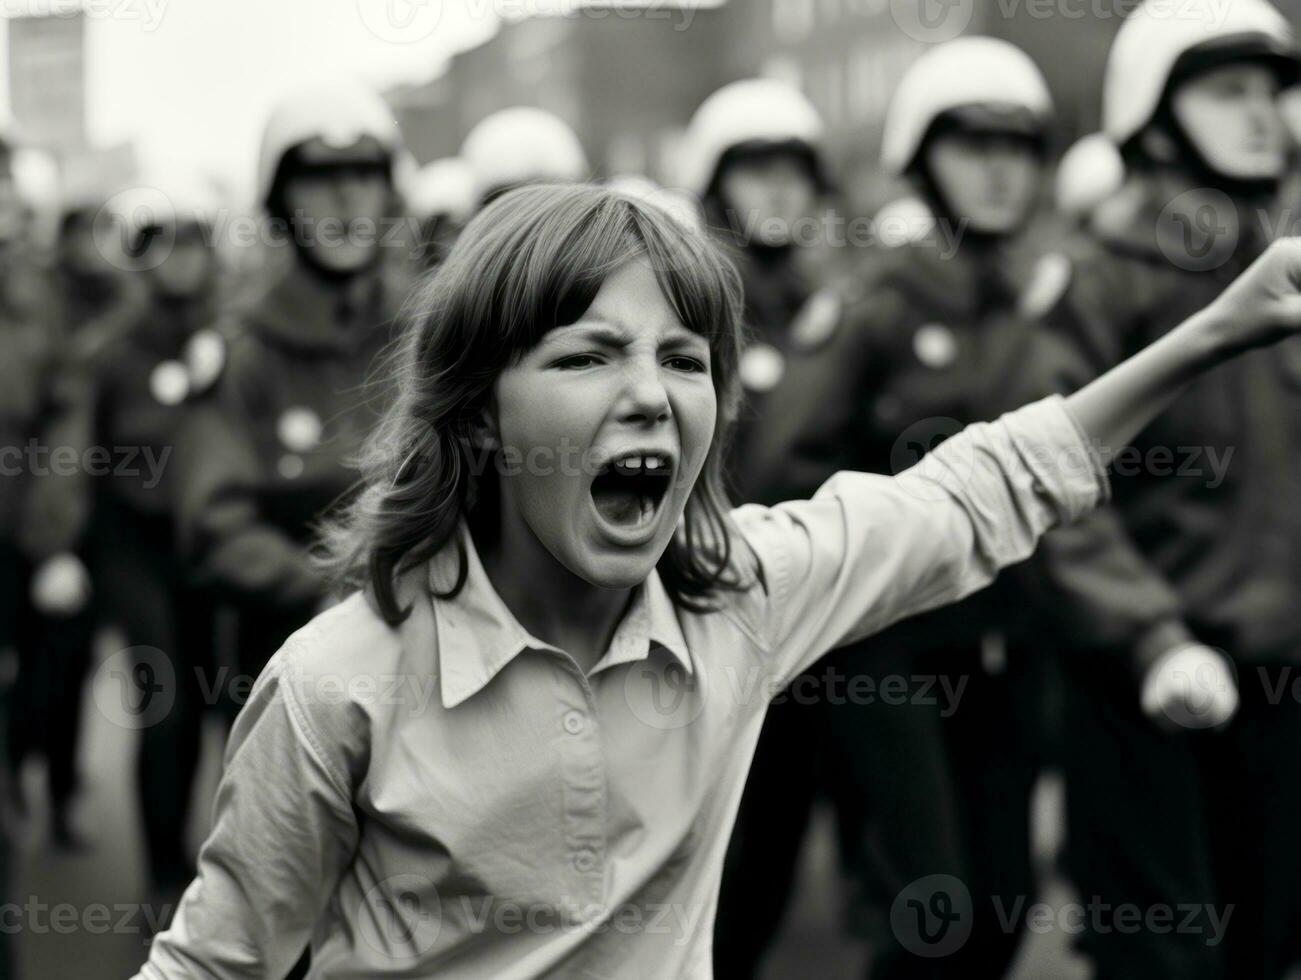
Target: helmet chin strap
x,y
309,257
1189,160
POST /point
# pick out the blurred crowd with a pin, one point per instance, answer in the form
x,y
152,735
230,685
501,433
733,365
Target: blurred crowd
x,y
176,415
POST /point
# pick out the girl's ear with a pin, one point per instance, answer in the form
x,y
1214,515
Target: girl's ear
x,y
484,433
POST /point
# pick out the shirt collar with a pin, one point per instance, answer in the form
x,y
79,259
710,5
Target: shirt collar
x,y
478,635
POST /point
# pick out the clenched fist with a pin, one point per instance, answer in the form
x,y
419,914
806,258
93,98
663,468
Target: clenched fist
x,y
61,586
1190,686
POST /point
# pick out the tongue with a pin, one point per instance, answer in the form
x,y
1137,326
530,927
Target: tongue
x,y
620,505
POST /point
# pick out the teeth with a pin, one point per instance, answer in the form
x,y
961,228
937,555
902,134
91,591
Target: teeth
x,y
631,465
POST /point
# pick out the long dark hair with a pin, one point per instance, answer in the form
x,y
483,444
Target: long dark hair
x,y
531,261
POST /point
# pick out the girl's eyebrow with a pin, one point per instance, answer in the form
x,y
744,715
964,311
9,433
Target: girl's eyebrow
x,y
615,333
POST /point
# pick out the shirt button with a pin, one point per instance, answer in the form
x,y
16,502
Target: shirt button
x,y
584,861
574,723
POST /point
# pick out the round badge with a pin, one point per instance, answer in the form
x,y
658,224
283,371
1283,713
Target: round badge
x,y
169,382
205,356
762,366
817,320
935,345
1052,275
290,466
299,429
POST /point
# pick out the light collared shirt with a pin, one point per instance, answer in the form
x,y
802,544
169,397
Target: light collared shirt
x,y
456,798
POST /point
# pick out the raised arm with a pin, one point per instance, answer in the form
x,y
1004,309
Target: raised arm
x,y
868,551
1262,306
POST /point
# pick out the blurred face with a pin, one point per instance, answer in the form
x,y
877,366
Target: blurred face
x,y
92,248
13,216
989,180
769,194
338,210
1231,116
188,266
610,420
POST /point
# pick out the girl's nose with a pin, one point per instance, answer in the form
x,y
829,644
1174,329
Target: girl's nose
x,y
646,400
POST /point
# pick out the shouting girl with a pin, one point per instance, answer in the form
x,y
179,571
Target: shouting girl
x,y
517,748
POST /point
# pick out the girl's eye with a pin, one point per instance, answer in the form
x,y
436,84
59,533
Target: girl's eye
x,y
576,361
683,363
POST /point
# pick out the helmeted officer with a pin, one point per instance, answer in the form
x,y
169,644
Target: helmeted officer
x,y
933,329
1197,566
141,380
753,153
265,446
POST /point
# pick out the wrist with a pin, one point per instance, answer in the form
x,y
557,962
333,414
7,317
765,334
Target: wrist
x,y
1212,336
1157,641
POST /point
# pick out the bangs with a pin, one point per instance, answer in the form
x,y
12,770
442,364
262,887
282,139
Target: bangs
x,y
543,253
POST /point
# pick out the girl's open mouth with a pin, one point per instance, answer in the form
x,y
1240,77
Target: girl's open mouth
x,y
628,491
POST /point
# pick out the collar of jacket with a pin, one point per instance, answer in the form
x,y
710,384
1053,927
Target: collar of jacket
x,y
478,636
305,312
950,283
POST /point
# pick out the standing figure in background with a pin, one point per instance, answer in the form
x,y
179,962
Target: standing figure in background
x,y
753,156
933,335
93,303
140,382
1191,577
264,450
27,356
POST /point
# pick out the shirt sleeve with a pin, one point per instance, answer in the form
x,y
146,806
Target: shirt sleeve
x,y
283,832
869,550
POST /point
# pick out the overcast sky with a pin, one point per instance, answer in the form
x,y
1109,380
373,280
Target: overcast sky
x,y
191,81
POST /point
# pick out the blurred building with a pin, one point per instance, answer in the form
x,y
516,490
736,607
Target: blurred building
x,y
627,80
47,99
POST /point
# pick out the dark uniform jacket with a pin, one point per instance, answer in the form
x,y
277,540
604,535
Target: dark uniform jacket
x,y
779,287
86,316
1204,534
926,344
29,353
266,451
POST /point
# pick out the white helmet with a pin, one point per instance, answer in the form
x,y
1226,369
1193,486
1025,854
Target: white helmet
x,y
752,111
444,187
903,221
1090,172
520,145
680,206
168,203
338,116
1157,34
965,73
36,177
